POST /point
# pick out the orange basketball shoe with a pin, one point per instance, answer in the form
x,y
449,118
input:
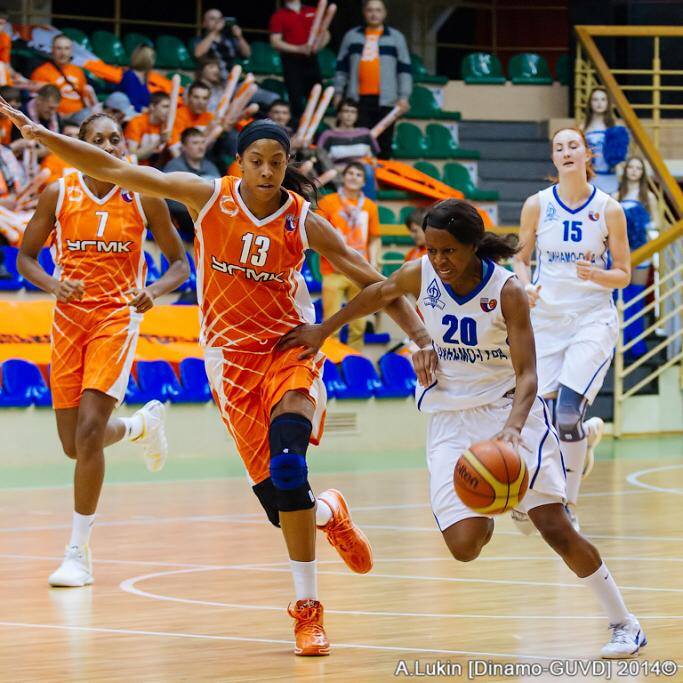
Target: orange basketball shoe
x,y
348,540
309,632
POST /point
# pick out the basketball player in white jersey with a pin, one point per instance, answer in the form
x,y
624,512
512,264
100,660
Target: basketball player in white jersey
x,y
478,377
572,225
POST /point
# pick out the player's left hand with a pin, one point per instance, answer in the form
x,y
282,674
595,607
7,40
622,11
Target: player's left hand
x,y
511,436
585,268
425,362
311,337
142,300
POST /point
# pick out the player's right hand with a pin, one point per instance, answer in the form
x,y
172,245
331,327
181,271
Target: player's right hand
x,y
311,337
425,362
69,290
533,293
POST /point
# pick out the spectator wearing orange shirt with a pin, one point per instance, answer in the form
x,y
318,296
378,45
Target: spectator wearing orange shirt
x,y
5,40
373,67
414,225
145,135
193,114
69,78
357,219
52,162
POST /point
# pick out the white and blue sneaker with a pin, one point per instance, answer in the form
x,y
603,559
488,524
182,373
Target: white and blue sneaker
x,y
75,570
522,522
626,641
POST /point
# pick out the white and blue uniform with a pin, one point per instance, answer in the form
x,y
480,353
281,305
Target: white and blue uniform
x,y
575,322
605,177
471,398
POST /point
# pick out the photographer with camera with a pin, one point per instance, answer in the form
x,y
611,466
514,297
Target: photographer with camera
x,y
222,39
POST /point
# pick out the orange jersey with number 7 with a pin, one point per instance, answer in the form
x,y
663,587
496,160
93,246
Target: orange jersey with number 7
x,y
249,285
99,241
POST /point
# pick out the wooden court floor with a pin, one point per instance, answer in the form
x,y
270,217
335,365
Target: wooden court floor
x,y
191,584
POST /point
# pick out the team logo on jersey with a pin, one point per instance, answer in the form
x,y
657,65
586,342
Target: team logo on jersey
x,y
290,222
433,297
127,196
550,213
487,305
228,206
74,194
594,215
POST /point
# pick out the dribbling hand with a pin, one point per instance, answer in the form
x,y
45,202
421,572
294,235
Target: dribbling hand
x,y
512,437
69,290
142,300
311,337
585,268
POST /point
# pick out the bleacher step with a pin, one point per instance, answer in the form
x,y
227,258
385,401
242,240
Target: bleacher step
x,y
508,169
510,150
503,130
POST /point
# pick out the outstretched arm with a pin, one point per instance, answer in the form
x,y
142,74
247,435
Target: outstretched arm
x,y
324,239
187,188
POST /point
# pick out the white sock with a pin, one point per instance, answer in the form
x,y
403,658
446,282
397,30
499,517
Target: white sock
x,y
81,526
134,426
305,576
323,512
574,453
607,592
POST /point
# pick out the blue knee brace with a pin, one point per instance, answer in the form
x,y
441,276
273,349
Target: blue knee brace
x,y
570,409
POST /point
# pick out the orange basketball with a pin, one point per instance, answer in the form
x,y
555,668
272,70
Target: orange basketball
x,y
490,478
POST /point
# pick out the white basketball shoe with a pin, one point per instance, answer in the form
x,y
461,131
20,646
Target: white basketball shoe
x,y
153,438
626,640
594,428
75,570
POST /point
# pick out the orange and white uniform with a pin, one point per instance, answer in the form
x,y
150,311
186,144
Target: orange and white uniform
x,y
72,87
251,292
99,241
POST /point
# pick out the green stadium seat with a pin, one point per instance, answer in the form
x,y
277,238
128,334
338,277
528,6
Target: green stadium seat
x,y
457,176
263,60
79,37
563,69
277,86
405,212
132,40
393,260
386,216
529,69
409,142
390,195
428,168
109,48
424,106
481,68
440,144
328,62
172,54
420,73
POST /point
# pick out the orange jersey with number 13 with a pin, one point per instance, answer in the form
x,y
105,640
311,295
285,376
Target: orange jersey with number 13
x,y
249,283
99,241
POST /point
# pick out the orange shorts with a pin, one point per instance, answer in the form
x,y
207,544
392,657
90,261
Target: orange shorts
x,y
92,348
247,386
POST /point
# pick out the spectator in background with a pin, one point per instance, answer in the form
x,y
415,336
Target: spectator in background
x,y
414,225
192,159
280,112
193,114
52,162
221,39
69,78
13,96
356,218
290,28
145,134
118,106
373,67
5,39
44,108
134,81
209,72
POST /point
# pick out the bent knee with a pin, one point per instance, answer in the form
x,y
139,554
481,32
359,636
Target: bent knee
x,y
559,536
466,553
89,438
70,450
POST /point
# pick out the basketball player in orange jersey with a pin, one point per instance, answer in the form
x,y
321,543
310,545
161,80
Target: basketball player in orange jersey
x,y
250,238
100,288
478,377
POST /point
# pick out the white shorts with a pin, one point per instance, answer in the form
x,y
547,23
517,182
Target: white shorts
x,y
450,434
574,351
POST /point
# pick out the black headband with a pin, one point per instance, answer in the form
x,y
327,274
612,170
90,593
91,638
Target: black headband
x,y
264,129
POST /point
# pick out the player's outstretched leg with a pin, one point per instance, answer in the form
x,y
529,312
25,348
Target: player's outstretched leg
x,y
333,518
585,561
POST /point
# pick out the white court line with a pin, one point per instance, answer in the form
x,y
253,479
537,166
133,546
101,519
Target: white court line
x,y
634,479
203,636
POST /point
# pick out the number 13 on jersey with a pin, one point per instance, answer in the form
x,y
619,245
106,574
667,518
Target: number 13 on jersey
x,y
262,244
